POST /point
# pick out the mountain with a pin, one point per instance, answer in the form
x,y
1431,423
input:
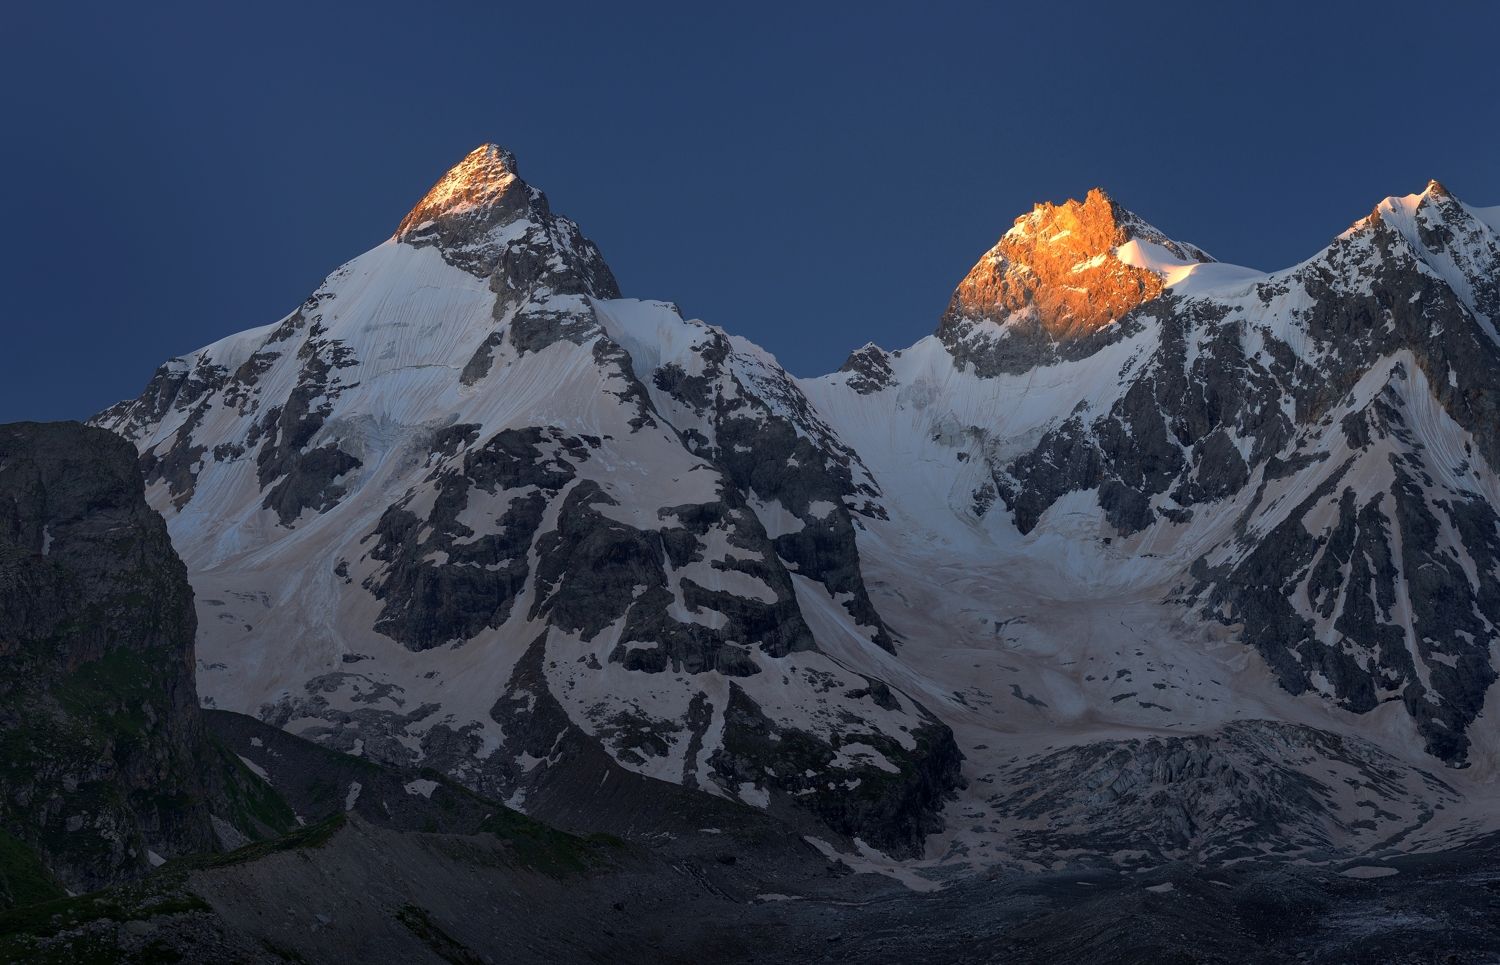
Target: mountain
x,y
1140,556
482,542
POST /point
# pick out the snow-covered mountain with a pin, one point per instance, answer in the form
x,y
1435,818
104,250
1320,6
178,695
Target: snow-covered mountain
x,y
1139,555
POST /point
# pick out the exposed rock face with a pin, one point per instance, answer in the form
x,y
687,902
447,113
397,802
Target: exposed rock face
x,y
428,603
1361,591
892,809
1054,279
1174,433
740,410
106,758
869,369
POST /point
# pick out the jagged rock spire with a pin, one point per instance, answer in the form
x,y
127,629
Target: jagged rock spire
x,y
1055,277
1058,264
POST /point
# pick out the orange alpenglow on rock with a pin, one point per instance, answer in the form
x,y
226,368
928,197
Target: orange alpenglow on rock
x,y
476,184
1054,278
1059,264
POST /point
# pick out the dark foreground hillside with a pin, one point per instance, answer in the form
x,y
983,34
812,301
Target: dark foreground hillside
x,y
214,837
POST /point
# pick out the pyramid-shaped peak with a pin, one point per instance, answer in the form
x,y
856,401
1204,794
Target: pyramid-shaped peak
x,y
481,180
481,217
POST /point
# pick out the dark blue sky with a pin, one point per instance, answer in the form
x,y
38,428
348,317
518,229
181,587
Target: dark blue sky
x,y
812,176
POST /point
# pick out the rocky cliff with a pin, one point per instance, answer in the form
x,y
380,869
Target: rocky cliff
x,y
106,767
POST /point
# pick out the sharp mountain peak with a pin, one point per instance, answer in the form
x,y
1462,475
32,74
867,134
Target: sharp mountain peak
x,y
482,180
1062,272
483,218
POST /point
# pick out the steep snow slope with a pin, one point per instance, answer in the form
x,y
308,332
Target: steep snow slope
x,y
1140,555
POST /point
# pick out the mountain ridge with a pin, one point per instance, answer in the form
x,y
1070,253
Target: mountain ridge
x,y
504,487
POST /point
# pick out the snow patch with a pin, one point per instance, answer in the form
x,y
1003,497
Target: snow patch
x,y
1369,871
255,768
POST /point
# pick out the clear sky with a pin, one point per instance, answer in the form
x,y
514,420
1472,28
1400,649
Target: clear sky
x,y
812,175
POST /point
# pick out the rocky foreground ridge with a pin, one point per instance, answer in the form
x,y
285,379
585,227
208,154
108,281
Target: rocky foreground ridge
x,y
107,767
